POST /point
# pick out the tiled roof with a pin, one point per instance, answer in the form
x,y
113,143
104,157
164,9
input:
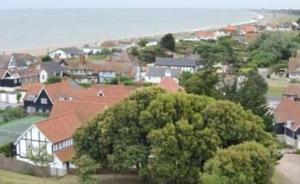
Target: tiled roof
x,y
161,72
293,89
170,85
71,50
51,67
205,34
230,28
59,128
287,110
249,29
65,154
179,62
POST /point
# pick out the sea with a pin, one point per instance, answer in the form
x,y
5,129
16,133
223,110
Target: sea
x,y
33,28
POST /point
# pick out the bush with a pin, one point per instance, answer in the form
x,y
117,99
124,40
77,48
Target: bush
x,y
46,58
53,79
7,150
27,171
295,81
11,114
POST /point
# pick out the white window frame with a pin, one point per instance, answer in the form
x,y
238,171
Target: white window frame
x,y
44,101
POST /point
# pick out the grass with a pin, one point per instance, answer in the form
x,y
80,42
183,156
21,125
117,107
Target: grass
x,y
279,178
15,178
10,131
276,88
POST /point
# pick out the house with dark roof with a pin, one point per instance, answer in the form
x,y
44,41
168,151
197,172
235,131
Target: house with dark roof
x,y
287,117
71,107
50,69
65,53
183,64
156,74
16,61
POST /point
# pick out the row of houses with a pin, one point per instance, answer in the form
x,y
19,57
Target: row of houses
x,y
70,106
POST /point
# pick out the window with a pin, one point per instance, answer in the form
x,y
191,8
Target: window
x,y
44,101
28,145
15,81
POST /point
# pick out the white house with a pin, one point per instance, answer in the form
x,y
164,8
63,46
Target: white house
x,y
49,69
91,50
52,133
65,53
156,74
183,64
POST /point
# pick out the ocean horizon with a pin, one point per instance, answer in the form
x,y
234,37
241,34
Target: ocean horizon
x,y
37,28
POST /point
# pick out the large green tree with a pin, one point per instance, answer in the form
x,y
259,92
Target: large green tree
x,y
203,82
152,129
246,163
168,42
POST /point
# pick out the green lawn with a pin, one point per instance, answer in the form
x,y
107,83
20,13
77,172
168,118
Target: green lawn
x,y
10,131
276,88
15,178
279,178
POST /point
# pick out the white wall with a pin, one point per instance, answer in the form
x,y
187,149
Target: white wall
x,y
59,53
43,76
32,136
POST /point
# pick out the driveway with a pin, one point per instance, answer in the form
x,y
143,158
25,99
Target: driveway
x,y
289,166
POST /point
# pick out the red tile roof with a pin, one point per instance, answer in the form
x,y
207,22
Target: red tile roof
x,y
287,110
293,89
170,85
205,34
60,127
230,28
65,154
249,29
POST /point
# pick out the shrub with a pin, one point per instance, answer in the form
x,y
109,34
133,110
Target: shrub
x,y
53,79
7,150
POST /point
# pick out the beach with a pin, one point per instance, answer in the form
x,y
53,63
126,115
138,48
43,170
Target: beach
x,y
41,49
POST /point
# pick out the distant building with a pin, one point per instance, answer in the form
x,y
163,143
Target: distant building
x,y
157,74
49,69
183,64
17,61
65,53
294,67
91,50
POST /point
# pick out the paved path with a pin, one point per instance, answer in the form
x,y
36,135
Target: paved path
x,y
289,166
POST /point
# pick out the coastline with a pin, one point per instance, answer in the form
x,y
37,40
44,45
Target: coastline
x,y
39,51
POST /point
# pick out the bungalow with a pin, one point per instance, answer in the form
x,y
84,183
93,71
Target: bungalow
x,y
49,69
157,74
248,29
183,64
65,53
88,50
56,132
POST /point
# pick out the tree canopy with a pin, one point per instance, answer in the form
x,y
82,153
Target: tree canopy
x,y
168,42
272,48
245,163
166,137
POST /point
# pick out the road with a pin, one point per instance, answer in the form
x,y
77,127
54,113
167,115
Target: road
x,y
289,166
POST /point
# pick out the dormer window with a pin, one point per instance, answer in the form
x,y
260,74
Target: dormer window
x,y
100,93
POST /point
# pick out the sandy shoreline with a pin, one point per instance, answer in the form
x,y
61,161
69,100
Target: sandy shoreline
x,y
39,51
